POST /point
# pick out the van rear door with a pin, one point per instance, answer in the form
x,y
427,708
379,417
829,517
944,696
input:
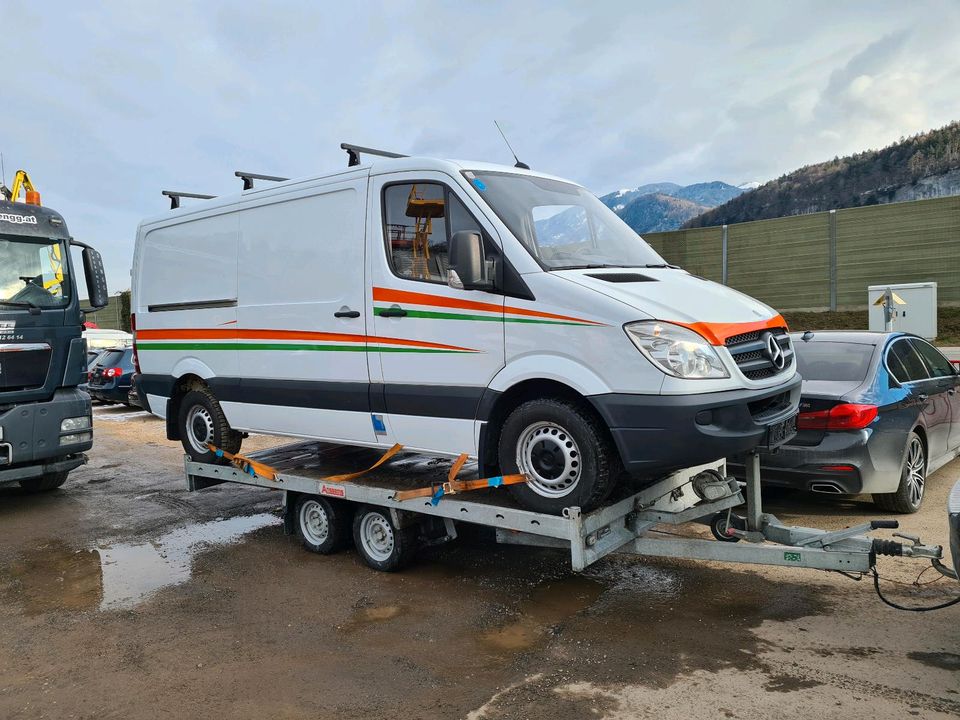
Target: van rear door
x,y
301,329
434,348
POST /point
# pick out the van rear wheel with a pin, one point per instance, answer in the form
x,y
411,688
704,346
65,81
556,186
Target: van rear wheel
x,y
201,422
565,453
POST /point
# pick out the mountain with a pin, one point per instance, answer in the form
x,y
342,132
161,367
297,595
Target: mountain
x,y
640,206
658,211
923,166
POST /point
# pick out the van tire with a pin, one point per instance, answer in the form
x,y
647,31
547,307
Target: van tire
x,y
50,481
201,419
550,432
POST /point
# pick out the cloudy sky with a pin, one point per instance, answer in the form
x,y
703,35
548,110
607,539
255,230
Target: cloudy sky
x,y
108,103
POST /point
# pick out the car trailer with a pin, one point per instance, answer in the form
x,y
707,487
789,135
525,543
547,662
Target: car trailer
x,y
322,504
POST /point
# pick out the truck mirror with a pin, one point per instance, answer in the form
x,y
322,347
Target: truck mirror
x,y
468,267
96,278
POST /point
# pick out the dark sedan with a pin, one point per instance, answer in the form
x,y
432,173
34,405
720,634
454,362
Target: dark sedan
x,y
879,412
109,380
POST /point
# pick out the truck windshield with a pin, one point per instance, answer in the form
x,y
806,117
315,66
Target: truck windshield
x,y
562,225
33,273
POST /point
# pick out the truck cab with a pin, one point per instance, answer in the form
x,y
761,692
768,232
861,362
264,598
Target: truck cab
x,y
45,420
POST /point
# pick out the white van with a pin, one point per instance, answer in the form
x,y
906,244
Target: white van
x,y
452,307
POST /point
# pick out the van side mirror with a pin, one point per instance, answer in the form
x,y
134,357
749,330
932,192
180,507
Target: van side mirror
x,y
96,278
468,266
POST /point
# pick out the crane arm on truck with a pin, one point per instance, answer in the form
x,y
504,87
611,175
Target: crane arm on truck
x,y
21,181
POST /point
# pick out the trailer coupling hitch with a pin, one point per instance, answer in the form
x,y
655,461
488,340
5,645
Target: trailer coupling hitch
x,y
913,548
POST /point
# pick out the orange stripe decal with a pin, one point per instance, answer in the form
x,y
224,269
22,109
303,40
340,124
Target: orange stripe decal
x,y
237,334
716,333
416,298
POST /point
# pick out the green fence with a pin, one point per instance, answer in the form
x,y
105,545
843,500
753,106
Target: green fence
x,y
825,261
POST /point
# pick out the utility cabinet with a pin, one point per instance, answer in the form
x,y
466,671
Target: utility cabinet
x,y
918,315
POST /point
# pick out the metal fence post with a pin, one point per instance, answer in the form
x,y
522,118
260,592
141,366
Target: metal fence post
x,y
833,260
723,255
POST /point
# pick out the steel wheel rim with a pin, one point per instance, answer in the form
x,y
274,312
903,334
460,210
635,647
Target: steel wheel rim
x,y
199,428
916,466
314,523
376,536
550,458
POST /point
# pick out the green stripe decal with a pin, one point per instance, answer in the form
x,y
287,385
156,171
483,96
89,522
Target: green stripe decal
x,y
432,315
289,346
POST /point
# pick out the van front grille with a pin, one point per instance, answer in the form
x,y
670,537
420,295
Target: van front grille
x,y
751,352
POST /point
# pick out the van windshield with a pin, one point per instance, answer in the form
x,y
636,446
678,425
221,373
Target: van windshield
x,y
562,225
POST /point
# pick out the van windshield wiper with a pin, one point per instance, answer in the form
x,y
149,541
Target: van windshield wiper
x,y
661,265
592,266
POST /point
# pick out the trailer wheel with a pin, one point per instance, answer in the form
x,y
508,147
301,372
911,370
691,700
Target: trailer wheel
x,y
201,421
50,481
718,526
382,545
322,526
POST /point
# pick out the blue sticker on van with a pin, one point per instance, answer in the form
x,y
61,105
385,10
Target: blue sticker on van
x,y
479,184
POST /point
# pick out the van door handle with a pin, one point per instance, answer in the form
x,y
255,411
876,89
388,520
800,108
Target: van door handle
x,y
347,314
395,311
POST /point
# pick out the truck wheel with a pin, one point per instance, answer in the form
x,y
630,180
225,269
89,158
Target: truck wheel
x,y
565,453
908,496
323,526
50,481
382,546
202,421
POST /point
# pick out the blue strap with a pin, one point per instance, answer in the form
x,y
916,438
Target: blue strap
x,y
435,500
495,481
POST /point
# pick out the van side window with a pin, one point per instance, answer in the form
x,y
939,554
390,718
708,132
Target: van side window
x,y
419,220
415,220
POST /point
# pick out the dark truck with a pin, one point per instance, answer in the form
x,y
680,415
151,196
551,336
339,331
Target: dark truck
x,y
45,419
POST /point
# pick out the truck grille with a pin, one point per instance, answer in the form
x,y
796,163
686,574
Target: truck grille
x,y
752,355
23,366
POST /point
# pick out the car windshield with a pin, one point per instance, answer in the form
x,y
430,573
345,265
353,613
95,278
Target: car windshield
x,y
824,360
562,225
33,273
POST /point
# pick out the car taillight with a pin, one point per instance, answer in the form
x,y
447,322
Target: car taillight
x,y
112,372
846,416
133,329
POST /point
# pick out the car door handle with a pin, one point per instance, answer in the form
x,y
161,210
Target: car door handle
x,y
395,311
347,314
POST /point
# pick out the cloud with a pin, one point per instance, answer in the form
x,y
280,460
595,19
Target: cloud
x,y
120,101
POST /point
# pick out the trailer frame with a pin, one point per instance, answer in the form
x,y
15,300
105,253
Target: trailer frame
x,y
628,525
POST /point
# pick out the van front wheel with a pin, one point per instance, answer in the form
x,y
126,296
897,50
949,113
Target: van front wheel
x,y
202,422
564,452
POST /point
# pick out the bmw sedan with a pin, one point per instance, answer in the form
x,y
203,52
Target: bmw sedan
x,y
879,412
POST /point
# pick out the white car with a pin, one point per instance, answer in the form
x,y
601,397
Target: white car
x,y
452,307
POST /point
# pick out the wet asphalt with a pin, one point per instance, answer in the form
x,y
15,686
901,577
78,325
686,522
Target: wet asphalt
x,y
124,595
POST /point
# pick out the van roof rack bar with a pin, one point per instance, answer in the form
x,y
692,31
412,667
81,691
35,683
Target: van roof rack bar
x,y
248,178
353,152
175,197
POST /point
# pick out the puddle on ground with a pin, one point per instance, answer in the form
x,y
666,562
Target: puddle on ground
x,y
549,604
119,575
372,615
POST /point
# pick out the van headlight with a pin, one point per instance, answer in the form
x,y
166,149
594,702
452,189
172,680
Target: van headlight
x,y
676,350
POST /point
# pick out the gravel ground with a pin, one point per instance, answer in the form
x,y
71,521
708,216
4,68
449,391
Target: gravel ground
x,y
122,595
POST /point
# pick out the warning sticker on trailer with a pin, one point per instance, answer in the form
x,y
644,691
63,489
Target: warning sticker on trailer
x,y
791,557
332,491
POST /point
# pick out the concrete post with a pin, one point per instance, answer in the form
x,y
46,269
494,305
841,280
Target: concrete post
x,y
833,259
723,254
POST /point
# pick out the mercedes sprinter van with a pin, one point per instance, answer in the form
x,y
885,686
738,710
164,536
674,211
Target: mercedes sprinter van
x,y
452,307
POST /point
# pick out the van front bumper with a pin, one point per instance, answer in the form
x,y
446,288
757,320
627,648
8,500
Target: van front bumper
x,y
660,433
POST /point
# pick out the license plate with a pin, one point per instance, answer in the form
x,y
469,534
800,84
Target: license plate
x,y
782,432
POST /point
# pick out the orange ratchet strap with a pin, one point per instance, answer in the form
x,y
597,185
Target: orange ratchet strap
x,y
245,464
453,486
